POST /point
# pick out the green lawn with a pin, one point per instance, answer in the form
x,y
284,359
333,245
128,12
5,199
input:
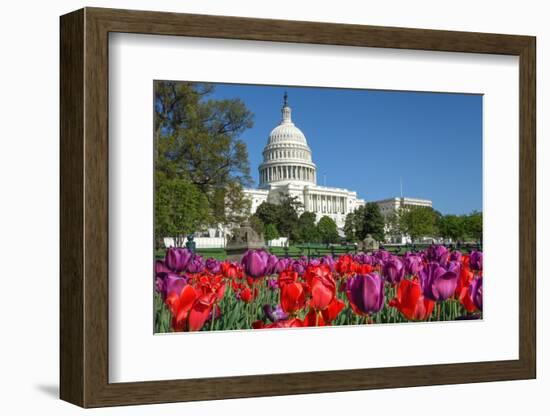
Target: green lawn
x,y
298,250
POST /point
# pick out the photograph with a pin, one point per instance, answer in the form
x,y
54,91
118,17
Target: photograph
x,y
293,207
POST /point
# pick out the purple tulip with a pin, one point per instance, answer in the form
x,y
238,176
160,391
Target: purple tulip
x,y
364,258
381,256
393,270
177,259
438,254
275,314
280,266
196,264
412,264
255,263
272,261
213,265
159,284
437,282
172,283
272,284
329,261
298,267
476,260
161,269
476,292
314,262
366,292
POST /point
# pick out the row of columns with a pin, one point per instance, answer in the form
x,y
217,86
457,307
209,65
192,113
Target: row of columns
x,y
327,204
284,154
275,173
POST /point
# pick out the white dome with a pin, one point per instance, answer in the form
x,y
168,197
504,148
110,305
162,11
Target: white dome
x,y
286,132
287,157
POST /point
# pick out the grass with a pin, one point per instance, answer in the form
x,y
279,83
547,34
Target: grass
x,y
297,250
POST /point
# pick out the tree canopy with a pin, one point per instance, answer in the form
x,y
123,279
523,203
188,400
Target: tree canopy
x,y
197,141
418,222
364,220
180,208
328,231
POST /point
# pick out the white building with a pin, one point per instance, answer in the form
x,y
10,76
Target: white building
x,y
391,206
288,170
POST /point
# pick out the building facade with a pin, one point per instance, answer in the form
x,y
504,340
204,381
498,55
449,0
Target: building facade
x,y
288,170
391,206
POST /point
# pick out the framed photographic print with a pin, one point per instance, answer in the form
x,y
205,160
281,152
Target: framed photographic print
x,y
329,205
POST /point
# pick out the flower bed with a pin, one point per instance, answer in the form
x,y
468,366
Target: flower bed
x,y
265,291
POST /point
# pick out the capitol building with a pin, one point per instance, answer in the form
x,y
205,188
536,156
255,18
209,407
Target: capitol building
x,y
288,170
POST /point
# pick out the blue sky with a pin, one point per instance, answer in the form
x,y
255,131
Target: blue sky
x,y
365,140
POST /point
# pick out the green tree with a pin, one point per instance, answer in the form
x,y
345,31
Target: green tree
x,y
257,224
288,217
452,226
268,213
368,220
198,139
271,232
349,228
418,222
229,205
180,209
328,231
474,226
307,230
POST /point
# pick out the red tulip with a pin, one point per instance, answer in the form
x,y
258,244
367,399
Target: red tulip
x,y
345,264
326,316
321,285
411,302
292,297
198,314
289,323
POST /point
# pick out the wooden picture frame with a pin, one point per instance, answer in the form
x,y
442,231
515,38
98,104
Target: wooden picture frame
x,y
84,207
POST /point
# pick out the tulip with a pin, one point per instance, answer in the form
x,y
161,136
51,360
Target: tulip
x,y
298,267
476,292
196,264
176,259
476,260
380,257
200,311
437,283
288,323
280,266
344,264
328,261
161,269
292,293
438,254
171,283
213,265
271,264
255,263
275,314
411,302
326,316
393,270
412,264
321,285
272,284
230,270
366,293
179,305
